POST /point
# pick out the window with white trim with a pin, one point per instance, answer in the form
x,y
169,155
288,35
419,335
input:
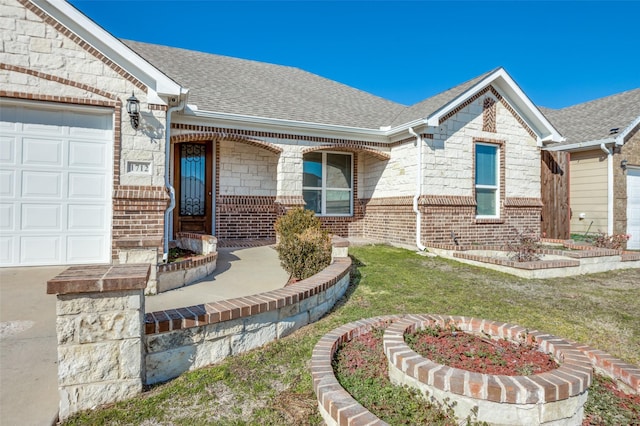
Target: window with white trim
x,y
487,183
327,183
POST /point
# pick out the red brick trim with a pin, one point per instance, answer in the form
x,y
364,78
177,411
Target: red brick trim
x,y
100,279
349,148
83,44
290,200
513,202
489,115
572,378
246,200
228,136
447,200
192,262
115,103
500,98
242,307
388,201
61,80
156,107
140,192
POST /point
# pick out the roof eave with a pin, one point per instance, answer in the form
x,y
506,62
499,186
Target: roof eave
x,y
289,126
110,46
580,146
621,137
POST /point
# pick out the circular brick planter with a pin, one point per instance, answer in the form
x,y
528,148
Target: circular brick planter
x,y
552,398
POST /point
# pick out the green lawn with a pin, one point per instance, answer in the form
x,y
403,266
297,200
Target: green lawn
x,y
273,385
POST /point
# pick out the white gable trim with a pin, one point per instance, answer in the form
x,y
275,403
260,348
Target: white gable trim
x,y
629,129
508,88
110,46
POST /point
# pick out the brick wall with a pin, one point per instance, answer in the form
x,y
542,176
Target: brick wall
x,y
138,211
239,217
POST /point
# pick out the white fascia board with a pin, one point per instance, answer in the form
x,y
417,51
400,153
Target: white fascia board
x,y
630,127
580,146
509,89
244,122
109,46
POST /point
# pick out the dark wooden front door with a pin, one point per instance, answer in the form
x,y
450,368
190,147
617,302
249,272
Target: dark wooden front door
x,y
193,188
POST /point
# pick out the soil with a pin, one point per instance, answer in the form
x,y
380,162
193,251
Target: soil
x,y
479,354
178,254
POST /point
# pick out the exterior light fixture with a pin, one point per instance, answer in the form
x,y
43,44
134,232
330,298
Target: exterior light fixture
x,y
623,164
133,108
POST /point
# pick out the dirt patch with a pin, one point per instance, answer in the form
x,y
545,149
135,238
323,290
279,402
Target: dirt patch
x,y
178,254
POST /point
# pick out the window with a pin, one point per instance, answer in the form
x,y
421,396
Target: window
x,y
487,182
327,183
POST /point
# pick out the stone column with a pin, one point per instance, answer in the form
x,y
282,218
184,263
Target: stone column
x,y
100,324
289,184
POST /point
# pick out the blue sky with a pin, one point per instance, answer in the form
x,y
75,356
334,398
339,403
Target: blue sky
x,y
560,53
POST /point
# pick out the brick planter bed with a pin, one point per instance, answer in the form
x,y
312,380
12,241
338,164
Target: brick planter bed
x,y
539,395
554,397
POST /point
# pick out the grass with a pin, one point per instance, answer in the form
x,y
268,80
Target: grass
x,y
272,385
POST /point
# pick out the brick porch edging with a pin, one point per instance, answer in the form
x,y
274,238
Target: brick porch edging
x,y
572,378
338,407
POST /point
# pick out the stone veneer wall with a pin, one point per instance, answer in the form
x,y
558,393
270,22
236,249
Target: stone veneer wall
x,y
187,338
100,313
630,151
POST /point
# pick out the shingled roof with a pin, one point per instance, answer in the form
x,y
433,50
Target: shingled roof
x,y
594,120
238,86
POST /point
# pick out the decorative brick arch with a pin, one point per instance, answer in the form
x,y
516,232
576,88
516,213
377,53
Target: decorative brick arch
x,y
349,148
207,136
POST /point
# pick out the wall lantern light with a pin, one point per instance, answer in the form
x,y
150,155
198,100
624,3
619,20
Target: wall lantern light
x,y
623,164
133,108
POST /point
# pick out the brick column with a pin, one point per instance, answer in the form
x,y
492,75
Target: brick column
x,y
100,324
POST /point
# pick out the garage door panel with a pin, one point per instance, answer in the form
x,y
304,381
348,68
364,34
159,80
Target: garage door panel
x,y
40,250
7,250
37,184
87,124
56,165
87,154
86,185
41,152
7,183
41,217
41,121
7,150
7,214
86,217
85,249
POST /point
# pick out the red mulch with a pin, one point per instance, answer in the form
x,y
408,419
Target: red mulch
x,y
481,355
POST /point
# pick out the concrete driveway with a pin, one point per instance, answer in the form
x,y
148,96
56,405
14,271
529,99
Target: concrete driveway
x,y
28,347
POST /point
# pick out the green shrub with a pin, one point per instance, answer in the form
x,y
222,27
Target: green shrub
x,y
295,221
303,248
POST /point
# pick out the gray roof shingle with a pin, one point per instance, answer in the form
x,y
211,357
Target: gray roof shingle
x,y
592,121
238,86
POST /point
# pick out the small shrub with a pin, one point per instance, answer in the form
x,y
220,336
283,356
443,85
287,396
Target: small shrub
x,y
615,242
295,221
303,248
525,248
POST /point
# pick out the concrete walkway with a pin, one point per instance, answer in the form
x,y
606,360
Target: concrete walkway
x,y
28,343
239,272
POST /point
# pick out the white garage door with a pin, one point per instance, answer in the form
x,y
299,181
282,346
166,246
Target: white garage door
x,y
55,184
633,208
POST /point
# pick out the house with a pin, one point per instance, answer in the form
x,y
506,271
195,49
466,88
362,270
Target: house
x,y
603,142
223,146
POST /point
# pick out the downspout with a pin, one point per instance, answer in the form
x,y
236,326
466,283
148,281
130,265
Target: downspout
x,y
167,181
416,210
609,153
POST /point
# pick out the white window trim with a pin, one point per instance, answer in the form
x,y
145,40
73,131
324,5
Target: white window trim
x,y
323,189
495,187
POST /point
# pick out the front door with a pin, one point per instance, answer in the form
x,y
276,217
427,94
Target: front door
x,y
193,188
